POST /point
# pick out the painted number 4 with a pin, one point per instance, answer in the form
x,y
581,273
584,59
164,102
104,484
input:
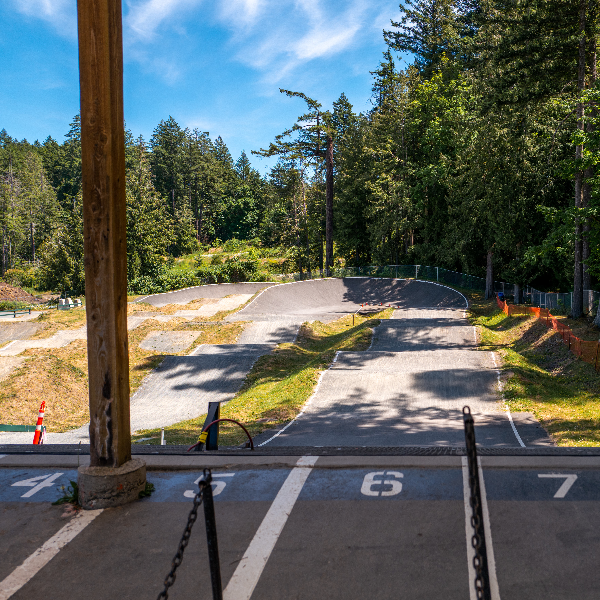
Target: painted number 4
x,y
569,480
37,483
381,487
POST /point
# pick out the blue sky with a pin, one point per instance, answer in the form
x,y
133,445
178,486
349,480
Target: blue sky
x,y
214,65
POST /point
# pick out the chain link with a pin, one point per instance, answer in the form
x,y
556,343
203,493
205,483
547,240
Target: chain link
x,y
185,538
478,539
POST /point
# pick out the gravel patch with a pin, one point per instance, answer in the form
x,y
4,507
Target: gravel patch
x,y
58,340
169,341
17,331
26,317
270,332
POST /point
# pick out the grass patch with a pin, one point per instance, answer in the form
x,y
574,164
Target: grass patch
x,y
280,382
56,375
59,320
541,375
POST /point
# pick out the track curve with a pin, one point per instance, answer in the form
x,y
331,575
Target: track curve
x,y
329,299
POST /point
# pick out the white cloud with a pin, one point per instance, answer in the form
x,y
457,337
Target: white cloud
x,y
146,16
242,13
274,37
294,32
61,14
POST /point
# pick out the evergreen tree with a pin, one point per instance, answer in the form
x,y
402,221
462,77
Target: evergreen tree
x,y
168,163
428,29
314,140
149,225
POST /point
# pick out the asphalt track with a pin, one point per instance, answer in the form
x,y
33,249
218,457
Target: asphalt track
x,y
408,389
217,290
369,522
345,528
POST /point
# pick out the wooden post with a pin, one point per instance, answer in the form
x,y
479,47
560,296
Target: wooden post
x,y
105,243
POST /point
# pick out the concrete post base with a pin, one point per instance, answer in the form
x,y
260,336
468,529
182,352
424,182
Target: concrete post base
x,y
104,487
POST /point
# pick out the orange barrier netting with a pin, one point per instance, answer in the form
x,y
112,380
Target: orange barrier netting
x,y
587,351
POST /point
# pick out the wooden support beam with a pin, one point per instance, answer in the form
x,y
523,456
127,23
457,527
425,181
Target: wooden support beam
x,y
104,218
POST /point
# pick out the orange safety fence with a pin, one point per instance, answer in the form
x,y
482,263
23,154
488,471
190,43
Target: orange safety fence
x,y
586,350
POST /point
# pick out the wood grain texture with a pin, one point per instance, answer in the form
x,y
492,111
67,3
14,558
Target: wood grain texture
x,y
104,215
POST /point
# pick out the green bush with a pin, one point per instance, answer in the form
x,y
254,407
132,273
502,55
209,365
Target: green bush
x,y
20,277
164,281
232,270
234,245
13,305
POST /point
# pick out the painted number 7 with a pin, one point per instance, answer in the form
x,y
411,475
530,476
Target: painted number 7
x,y
569,480
372,486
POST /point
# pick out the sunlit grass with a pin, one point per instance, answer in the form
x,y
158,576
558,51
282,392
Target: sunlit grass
x,y
541,375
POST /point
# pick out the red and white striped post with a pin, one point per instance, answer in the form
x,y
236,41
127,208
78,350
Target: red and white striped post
x,y
37,436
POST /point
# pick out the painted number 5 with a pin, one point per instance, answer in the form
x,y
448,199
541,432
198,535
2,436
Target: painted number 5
x,y
217,486
379,487
569,480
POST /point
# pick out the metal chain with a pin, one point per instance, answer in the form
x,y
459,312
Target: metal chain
x,y
185,538
478,540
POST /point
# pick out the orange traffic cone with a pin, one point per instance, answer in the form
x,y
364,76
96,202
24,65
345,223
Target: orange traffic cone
x,y
37,437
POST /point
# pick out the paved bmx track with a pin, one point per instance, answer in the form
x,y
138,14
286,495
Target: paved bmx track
x,y
408,389
382,522
203,291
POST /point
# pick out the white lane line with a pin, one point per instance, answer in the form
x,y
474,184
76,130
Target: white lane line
x,y
43,555
495,590
307,402
489,546
448,288
506,408
3,456
248,572
468,528
9,345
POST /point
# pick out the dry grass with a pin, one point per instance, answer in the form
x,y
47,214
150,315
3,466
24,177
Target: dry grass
x,y
59,375
59,320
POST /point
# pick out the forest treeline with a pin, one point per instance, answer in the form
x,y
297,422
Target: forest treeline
x,y
480,156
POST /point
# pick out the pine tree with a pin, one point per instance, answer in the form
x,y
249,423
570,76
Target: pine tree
x,y
168,163
149,225
428,29
314,140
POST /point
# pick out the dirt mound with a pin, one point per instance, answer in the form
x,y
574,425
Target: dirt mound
x,y
12,294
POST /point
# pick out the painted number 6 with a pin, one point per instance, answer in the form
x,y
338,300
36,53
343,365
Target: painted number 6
x,y
372,486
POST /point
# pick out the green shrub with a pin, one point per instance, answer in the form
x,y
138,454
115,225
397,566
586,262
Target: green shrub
x,y
232,270
164,281
234,245
20,277
13,305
